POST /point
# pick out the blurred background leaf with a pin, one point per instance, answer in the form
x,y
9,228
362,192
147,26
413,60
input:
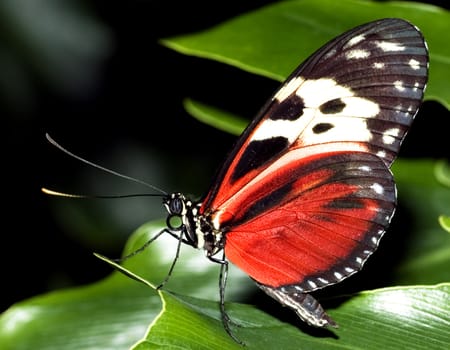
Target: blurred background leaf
x,y
59,44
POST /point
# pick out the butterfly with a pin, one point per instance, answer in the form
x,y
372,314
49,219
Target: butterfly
x,y
306,193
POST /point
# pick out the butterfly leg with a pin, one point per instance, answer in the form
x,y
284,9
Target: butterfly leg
x,y
177,254
304,305
226,320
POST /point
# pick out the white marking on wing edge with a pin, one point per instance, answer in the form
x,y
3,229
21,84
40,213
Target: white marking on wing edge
x,y
330,53
357,54
338,275
349,269
359,260
381,154
323,280
355,40
414,64
390,135
374,240
289,88
387,46
312,284
377,188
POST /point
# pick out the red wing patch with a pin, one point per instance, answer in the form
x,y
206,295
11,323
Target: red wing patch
x,y
316,225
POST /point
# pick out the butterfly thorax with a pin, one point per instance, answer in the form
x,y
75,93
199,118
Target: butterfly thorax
x,y
197,230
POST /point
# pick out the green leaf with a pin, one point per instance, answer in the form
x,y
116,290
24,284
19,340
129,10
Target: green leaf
x,y
273,40
444,221
215,117
425,247
392,318
442,172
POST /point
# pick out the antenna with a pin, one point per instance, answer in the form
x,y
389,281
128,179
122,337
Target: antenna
x,y
84,196
123,176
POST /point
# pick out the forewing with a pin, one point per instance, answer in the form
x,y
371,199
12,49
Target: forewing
x,y
310,221
359,92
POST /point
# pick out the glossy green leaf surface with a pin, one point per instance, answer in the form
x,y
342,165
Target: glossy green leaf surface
x,y
391,318
217,118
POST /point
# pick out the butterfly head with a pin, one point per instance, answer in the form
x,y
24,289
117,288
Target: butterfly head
x,y
182,218
196,229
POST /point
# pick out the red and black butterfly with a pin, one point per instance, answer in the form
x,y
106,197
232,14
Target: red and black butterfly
x,y
306,194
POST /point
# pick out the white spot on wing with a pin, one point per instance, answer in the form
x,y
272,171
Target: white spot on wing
x,y
378,65
399,85
414,64
381,154
355,40
312,284
357,54
323,280
390,135
338,275
387,46
377,188
330,53
364,168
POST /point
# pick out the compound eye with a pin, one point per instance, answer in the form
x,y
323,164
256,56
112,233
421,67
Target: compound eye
x,y
174,222
176,206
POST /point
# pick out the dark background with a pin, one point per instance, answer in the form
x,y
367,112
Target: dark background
x,y
118,102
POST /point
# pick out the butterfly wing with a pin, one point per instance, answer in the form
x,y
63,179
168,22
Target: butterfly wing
x,y
307,193
359,92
